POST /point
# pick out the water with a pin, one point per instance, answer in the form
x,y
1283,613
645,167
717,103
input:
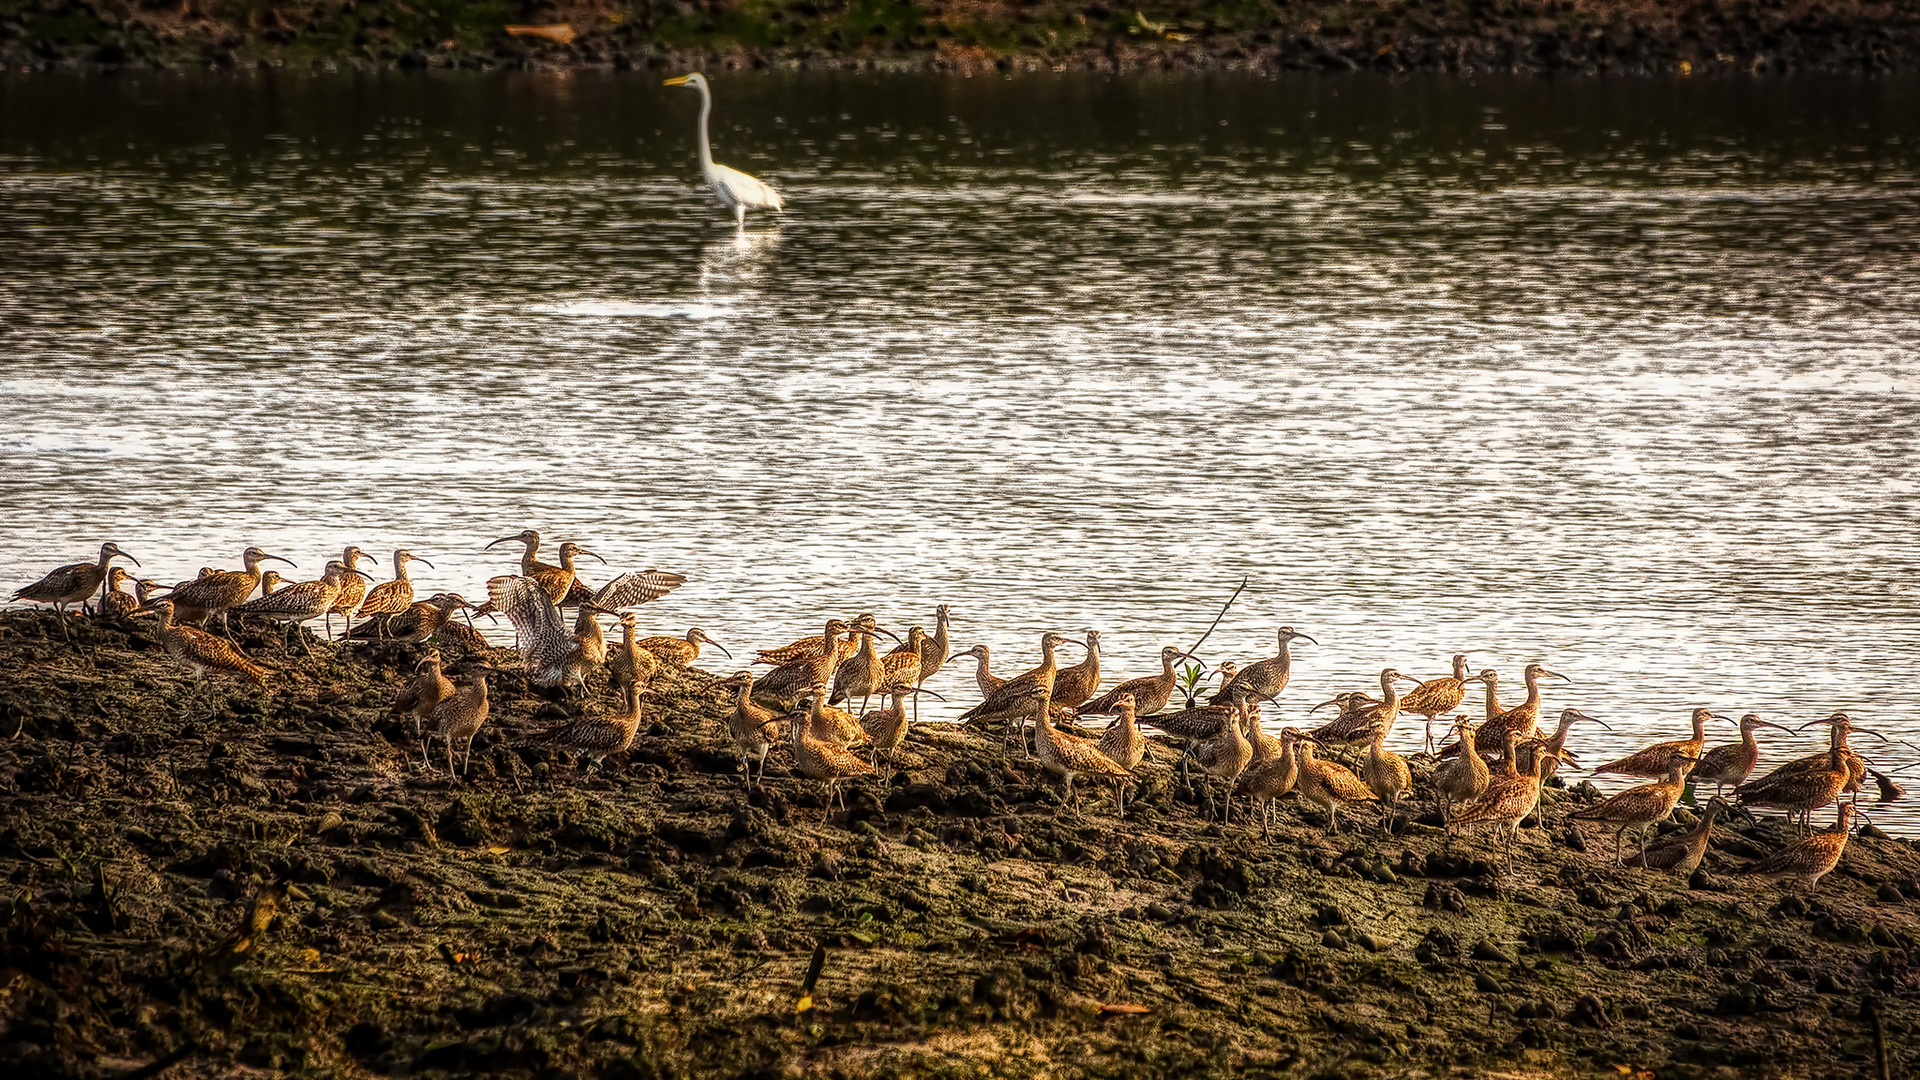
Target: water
x,y
1616,376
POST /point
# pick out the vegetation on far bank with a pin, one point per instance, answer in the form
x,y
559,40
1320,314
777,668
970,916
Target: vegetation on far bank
x,y
972,35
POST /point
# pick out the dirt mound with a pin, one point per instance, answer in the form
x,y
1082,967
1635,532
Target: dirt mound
x,y
283,885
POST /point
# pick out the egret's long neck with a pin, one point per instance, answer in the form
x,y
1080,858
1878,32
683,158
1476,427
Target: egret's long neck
x,y
706,148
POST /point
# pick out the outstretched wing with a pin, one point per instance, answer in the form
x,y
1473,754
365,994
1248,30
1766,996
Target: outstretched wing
x,y
632,590
526,604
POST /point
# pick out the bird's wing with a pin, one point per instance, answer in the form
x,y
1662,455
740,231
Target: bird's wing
x,y
530,610
632,590
744,189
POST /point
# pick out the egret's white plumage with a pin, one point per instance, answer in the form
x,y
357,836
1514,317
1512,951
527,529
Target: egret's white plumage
x,y
735,189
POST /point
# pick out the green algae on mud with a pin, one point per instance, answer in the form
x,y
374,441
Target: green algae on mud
x,y
967,36
283,887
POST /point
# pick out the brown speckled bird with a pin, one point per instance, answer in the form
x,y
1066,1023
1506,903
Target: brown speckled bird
x,y
787,682
1643,805
680,651
1271,779
115,603
1226,755
1387,775
1438,697
530,564
935,650
627,662
753,728
458,718
1463,777
1264,679
215,591
202,653
1508,800
1363,724
1732,763
820,760
595,738
298,603
1802,786
1073,685
559,580
390,598
1522,719
1067,755
1012,702
550,654
1150,693
1328,785
1682,854
422,695
74,583
985,679
806,647
353,588
1654,760
1808,860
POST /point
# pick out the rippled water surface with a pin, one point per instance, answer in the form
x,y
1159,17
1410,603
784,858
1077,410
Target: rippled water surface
x,y
1616,376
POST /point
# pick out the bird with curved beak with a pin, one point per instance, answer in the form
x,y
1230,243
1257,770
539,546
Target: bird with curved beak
x,y
1732,763
73,583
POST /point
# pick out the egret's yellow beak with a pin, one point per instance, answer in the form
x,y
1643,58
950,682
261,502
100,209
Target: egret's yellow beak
x,y
680,80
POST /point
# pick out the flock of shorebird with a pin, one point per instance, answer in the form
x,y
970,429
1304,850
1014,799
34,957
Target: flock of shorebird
x,y
1491,775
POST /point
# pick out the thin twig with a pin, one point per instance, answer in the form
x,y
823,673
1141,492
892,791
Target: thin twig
x,y
1222,615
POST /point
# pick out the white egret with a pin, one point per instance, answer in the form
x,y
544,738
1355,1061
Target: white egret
x,y
735,189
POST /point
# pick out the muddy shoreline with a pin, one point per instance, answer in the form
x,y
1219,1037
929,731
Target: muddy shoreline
x,y
281,886
1587,37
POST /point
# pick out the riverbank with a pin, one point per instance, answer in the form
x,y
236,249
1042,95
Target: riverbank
x,y
973,36
282,885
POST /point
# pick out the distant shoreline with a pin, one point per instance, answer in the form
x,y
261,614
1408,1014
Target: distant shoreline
x,y
1466,37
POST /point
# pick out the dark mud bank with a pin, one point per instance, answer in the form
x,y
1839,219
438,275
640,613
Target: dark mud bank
x,y
969,36
283,886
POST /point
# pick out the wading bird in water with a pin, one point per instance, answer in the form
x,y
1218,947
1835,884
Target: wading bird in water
x,y
735,189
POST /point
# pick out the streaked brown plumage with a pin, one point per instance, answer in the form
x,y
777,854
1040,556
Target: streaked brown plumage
x,y
1150,693
1122,743
550,653
628,662
626,590
1733,762
353,588
1808,860
1067,755
596,738
985,679
1490,679
559,580
1269,780
886,727
297,603
202,653
1683,853
1652,761
680,651
423,694
1266,678
423,619
1074,684
390,598
1807,784
806,647
787,682
1328,785
1463,777
74,583
1012,702
215,591
1226,755
861,675
1438,697
114,603
1364,724
934,650
458,717
753,728
1509,798
530,564
820,760
901,667
1387,776
458,635
1522,719
1642,805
